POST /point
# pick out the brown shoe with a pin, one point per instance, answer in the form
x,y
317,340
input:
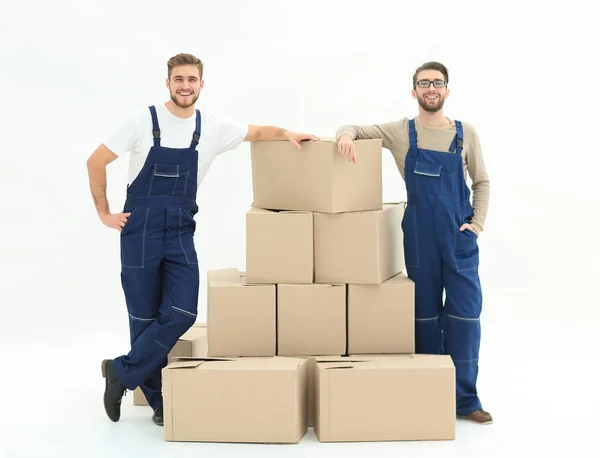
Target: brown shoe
x,y
479,416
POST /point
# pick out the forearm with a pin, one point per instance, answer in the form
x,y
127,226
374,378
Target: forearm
x,y
481,181
271,133
97,177
385,132
375,131
481,200
349,130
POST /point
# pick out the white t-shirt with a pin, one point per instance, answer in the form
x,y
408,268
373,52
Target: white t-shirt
x,y
217,136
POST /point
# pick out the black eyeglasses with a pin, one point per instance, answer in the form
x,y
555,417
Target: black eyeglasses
x,y
426,83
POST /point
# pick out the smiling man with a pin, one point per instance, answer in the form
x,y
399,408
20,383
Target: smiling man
x,y
171,147
434,155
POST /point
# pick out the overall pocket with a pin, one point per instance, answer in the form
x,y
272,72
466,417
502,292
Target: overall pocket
x,y
410,237
133,239
187,228
168,180
466,250
432,180
132,222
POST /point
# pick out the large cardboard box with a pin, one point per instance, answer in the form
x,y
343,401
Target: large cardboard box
x,y
193,343
317,177
241,317
311,320
279,247
407,397
359,247
381,318
238,400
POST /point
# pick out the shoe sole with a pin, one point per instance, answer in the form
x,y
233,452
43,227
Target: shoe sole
x,y
489,422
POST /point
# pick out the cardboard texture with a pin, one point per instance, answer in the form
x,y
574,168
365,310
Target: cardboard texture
x,y
406,397
317,177
241,317
279,247
193,343
381,318
260,400
311,319
312,374
359,247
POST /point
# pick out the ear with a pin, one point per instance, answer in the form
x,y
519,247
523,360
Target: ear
x,y
201,84
414,94
168,85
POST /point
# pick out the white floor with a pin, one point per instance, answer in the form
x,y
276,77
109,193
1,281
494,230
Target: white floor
x,y
539,383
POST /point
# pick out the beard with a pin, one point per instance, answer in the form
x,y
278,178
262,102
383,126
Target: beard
x,y
431,107
181,104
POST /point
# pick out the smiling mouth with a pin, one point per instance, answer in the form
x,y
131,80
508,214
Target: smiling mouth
x,y
431,97
185,94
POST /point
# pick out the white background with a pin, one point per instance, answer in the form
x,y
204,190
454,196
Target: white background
x,y
524,73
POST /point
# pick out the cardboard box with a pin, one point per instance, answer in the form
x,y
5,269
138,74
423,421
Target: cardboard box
x,y
381,318
238,400
317,177
241,316
279,247
312,374
407,397
359,247
193,343
311,320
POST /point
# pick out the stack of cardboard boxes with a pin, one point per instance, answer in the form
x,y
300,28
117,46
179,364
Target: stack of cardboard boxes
x,y
319,329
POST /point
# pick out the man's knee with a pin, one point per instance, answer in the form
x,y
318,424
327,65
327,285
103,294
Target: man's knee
x,y
182,319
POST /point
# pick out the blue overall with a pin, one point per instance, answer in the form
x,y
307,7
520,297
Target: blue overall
x,y
440,257
159,264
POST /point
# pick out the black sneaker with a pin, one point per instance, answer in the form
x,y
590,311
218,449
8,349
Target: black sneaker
x,y
157,418
113,391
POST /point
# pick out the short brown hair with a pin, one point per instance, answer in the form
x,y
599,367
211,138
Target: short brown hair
x,y
431,66
184,59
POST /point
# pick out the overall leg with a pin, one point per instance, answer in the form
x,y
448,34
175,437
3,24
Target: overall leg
x,y
428,308
462,328
143,295
181,284
424,268
142,251
142,247
177,314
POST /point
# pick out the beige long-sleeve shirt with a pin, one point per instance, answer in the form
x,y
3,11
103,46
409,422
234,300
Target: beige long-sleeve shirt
x,y
394,136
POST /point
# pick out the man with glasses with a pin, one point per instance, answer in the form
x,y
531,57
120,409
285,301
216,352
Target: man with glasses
x,y
434,155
